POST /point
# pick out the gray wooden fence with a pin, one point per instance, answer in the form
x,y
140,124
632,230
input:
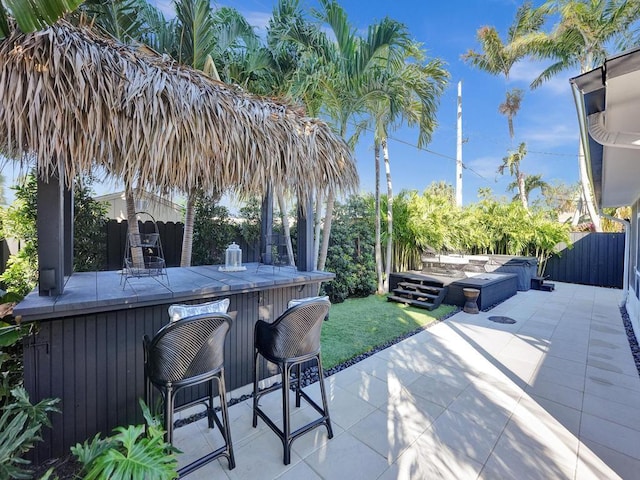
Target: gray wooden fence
x,y
596,259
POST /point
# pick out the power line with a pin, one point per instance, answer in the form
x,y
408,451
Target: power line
x,y
437,154
573,155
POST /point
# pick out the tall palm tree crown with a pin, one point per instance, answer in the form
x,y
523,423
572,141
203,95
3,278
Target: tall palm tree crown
x,y
581,37
511,106
498,57
580,40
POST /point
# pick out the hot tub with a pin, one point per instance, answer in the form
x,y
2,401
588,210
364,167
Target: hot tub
x,y
494,288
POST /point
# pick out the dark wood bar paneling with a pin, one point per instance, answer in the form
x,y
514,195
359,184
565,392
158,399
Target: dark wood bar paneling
x,y
88,347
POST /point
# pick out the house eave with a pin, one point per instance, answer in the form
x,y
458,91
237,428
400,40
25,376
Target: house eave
x,y
606,100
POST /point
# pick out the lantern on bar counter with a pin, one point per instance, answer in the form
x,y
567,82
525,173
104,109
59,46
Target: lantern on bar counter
x,y
233,259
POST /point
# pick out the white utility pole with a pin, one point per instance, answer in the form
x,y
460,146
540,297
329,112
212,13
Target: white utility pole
x,y
459,149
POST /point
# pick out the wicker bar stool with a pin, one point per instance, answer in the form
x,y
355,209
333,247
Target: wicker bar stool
x,y
294,338
186,353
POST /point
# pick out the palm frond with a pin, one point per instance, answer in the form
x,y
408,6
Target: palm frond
x,y
34,14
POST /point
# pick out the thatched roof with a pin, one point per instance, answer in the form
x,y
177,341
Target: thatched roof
x,y
71,95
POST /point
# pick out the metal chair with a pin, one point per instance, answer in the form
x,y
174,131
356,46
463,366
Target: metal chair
x,y
294,338
186,353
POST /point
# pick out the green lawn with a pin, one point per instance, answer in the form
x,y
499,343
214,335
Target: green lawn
x,y
361,324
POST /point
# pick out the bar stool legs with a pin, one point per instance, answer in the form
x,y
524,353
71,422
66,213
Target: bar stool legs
x,y
286,368
168,394
186,353
225,450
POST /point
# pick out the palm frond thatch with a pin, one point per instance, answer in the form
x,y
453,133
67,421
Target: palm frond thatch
x,y
75,99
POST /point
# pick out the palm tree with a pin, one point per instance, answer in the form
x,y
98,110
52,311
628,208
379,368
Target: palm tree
x,y
405,90
498,57
203,40
193,42
34,14
337,71
120,19
561,198
580,40
511,106
531,182
511,163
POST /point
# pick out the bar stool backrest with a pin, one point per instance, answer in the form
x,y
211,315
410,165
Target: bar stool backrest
x,y
184,350
296,332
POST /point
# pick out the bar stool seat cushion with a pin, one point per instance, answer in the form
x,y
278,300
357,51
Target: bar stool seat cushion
x,y
180,311
297,301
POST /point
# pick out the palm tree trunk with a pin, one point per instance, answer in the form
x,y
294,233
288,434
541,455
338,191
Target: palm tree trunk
x,y
326,230
285,225
378,246
187,238
385,153
586,191
137,257
575,220
523,193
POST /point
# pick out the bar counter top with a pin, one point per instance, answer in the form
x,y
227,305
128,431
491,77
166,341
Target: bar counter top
x,y
90,292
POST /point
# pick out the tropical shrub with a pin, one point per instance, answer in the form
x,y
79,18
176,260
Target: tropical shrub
x,y
20,421
11,335
250,225
351,250
133,452
431,221
19,222
89,229
212,231
21,273
422,222
20,425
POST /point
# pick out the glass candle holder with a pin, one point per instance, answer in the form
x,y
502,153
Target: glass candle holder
x,y
233,257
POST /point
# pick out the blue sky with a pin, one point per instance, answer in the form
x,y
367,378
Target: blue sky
x,y
547,120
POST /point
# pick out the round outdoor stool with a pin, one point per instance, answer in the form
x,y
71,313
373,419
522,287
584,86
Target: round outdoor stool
x,y
471,297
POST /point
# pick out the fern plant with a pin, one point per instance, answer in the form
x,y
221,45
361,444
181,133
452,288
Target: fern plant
x,y
133,452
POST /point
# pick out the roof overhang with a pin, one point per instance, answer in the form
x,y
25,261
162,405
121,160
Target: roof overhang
x,y
608,104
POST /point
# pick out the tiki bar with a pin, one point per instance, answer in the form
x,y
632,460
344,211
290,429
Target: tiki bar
x,y
74,103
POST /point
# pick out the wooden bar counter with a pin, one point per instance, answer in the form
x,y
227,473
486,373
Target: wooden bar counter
x,y
87,349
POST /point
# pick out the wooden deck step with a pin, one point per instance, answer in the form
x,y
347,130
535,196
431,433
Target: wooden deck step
x,y
538,283
415,303
417,294
418,286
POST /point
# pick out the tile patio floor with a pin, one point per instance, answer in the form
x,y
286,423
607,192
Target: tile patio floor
x,y
555,395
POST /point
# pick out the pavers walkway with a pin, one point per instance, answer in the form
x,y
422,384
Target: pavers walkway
x,y
555,395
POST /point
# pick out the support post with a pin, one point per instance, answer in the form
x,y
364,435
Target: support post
x,y
266,227
51,235
68,231
305,236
